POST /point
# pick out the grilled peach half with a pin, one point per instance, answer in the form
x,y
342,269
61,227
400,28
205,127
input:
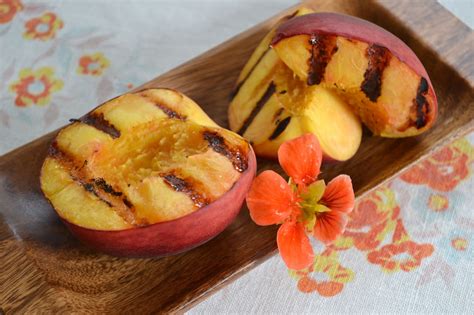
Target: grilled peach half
x,y
147,174
375,72
271,105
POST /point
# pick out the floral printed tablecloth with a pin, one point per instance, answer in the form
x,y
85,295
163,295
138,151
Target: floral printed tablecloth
x,y
408,246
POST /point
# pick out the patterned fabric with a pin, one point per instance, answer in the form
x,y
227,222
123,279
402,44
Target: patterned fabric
x,y
408,246
59,60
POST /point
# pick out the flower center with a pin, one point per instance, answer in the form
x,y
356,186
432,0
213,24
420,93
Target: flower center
x,y
42,28
37,87
446,169
460,244
438,203
364,229
93,66
402,257
320,276
4,9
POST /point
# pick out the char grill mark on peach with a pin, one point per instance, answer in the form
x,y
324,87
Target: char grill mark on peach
x,y
186,186
379,57
165,109
98,121
90,188
323,47
127,202
53,150
290,16
239,85
170,113
261,102
421,104
218,144
278,113
102,184
280,128
97,186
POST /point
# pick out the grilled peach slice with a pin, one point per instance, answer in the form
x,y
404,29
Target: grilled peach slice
x,y
270,106
147,174
371,69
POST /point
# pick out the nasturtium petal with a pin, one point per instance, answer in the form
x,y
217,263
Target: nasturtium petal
x,y
339,194
270,199
294,245
329,226
301,158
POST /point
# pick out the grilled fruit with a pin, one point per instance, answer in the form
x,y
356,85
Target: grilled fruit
x,y
371,69
147,174
271,105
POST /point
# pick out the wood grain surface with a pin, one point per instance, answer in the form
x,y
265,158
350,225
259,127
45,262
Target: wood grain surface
x,y
44,270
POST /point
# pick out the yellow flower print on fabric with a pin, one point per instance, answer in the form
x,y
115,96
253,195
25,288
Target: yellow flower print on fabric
x,y
438,203
326,276
43,28
35,87
93,64
8,10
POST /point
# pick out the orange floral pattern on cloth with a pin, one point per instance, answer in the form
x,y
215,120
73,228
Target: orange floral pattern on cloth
x,y
43,28
8,10
374,221
35,87
404,256
370,221
442,171
327,265
377,229
93,64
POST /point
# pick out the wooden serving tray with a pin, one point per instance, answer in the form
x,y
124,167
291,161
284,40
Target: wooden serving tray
x,y
43,269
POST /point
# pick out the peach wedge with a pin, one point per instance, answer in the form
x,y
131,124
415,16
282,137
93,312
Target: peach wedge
x,y
375,72
271,105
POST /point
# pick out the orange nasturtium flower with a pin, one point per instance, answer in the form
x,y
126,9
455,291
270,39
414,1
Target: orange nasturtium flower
x,y
303,204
